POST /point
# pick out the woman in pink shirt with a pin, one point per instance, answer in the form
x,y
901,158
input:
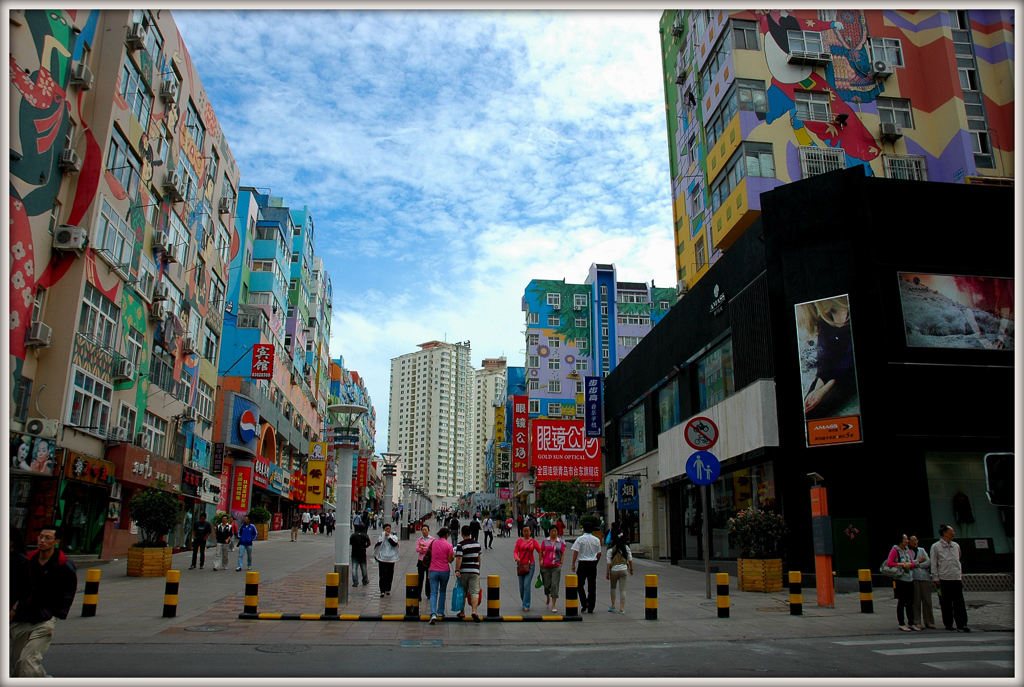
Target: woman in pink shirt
x,y
523,554
421,570
441,556
552,550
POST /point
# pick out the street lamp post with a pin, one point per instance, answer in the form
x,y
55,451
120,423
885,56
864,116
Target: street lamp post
x,y
343,492
388,473
407,511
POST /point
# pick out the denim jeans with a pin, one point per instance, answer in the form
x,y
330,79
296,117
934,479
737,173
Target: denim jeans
x,y
242,549
358,565
438,591
525,585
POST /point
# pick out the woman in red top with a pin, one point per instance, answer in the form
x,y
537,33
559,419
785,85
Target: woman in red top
x,y
526,547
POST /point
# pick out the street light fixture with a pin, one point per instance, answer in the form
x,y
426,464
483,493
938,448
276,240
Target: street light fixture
x,y
343,493
388,471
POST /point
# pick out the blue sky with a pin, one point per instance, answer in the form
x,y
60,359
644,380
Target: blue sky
x,y
448,158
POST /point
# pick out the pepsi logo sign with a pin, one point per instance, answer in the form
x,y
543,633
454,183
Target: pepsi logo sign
x,y
247,426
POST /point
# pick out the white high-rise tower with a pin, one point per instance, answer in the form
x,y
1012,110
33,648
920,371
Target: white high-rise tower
x,y
490,388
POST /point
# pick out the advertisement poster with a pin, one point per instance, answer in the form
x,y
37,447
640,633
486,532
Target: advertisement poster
x,y
828,377
520,433
947,311
244,425
240,492
561,451
261,472
263,361
592,406
33,454
315,475
318,450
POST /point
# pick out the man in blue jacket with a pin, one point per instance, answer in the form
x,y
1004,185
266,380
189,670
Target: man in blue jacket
x,y
246,536
49,591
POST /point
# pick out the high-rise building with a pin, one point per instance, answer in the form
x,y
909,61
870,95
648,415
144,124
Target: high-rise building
x,y
755,99
490,394
121,197
579,330
431,418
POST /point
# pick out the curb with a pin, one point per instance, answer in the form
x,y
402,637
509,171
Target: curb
x,y
415,618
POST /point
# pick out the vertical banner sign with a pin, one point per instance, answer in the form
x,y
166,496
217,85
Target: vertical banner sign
x,y
240,493
263,361
593,407
520,433
315,480
218,459
629,494
361,471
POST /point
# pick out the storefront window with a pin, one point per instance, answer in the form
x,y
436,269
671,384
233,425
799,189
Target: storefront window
x,y
956,487
633,434
749,488
714,375
668,406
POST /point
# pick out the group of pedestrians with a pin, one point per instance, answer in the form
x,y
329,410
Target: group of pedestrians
x,y
320,523
922,572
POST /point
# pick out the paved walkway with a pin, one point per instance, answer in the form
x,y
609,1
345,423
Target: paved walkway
x,y
293,576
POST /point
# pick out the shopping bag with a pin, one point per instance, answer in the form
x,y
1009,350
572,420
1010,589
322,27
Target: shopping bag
x,y
458,597
539,583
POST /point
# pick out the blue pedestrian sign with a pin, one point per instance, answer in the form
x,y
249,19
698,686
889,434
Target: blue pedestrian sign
x,y
702,467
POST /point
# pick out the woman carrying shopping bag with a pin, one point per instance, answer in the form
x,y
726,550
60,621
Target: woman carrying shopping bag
x,y
385,552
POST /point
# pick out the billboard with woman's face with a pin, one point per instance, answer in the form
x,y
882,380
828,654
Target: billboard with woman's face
x,y
33,454
950,311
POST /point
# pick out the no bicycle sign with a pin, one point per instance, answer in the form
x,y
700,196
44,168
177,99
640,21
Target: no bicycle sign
x,y
701,433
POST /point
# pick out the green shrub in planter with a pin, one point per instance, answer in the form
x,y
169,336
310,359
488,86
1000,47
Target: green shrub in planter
x,y
758,534
156,514
259,515
593,521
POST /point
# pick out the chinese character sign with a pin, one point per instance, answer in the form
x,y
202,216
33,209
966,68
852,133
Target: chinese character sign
x,y
316,474
520,434
592,406
240,492
263,361
629,494
361,471
561,451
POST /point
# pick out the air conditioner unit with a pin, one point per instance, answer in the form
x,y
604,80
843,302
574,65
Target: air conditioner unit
x,y
158,313
42,427
189,413
125,369
160,242
880,69
890,131
677,28
189,345
81,76
136,37
38,335
577,306
70,161
172,186
119,434
70,237
169,91
681,287
144,440
227,205
160,290
680,75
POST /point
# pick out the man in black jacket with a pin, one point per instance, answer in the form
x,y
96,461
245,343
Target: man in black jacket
x,y
52,581
359,542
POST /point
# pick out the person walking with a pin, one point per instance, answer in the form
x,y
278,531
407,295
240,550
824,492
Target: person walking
x,y
948,572
520,520
421,568
467,570
306,519
587,549
223,537
49,581
475,526
296,521
385,552
246,536
315,521
620,559
922,586
441,556
201,531
454,527
488,531
523,553
561,527
552,551
899,557
508,527
329,525
360,542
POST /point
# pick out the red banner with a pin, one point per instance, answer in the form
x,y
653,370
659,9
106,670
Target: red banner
x,y
240,493
263,361
520,432
561,451
361,472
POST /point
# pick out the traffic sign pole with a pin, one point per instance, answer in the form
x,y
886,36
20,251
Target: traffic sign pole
x,y
707,538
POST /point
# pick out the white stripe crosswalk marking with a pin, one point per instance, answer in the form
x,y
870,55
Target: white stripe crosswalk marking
x,y
941,650
951,665
917,640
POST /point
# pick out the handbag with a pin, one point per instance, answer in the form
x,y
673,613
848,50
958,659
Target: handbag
x,y
522,568
890,570
539,583
428,555
458,597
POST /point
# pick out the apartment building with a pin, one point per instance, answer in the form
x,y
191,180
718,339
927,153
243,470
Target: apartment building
x,y
488,409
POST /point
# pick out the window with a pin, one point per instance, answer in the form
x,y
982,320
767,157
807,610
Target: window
x,y
634,319
752,95
579,300
161,370
90,403
533,361
604,310
194,125
604,354
632,297
895,110
581,344
580,410
533,339
55,212
714,375
629,340
744,35
21,396
554,363
147,277
38,304
223,242
582,365
554,342
532,318
555,300
136,93
580,322
663,305
980,143
604,332
98,318
554,409
554,321
533,385
185,387
905,167
211,342
698,252
156,429
604,290
813,106
668,406
555,386
126,419
534,406
134,343
751,159
968,79
888,49
204,400
114,237
805,41
958,19
814,160
217,292
188,177
123,165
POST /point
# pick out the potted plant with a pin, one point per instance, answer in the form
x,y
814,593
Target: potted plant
x,y
156,513
260,516
758,535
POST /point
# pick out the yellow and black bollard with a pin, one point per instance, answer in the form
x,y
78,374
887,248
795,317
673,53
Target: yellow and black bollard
x,y
171,593
494,596
331,595
867,597
796,597
252,592
572,596
92,592
723,594
651,600
412,598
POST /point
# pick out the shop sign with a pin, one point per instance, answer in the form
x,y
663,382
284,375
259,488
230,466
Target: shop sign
x,y
520,433
87,469
240,493
561,451
278,480
33,454
263,361
218,458
592,406
629,494
361,473
318,450
505,493
245,419
261,472
135,465
298,486
718,302
315,474
191,482
209,492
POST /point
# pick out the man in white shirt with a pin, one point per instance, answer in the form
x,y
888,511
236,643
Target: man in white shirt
x,y
488,531
946,570
587,549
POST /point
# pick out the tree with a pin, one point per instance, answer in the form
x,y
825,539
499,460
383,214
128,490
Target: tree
x,y
562,497
156,512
